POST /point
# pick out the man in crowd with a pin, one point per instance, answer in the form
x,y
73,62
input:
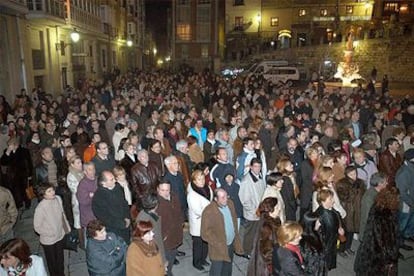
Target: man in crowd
x,y
103,160
169,209
219,230
390,160
244,158
110,207
251,191
176,179
222,167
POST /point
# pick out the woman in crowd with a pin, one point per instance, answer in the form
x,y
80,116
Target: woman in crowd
x,y
350,191
274,186
15,259
143,256
307,177
289,190
266,237
106,252
120,176
339,166
365,168
330,225
287,259
51,224
258,149
129,160
75,175
378,254
325,181
199,196
311,246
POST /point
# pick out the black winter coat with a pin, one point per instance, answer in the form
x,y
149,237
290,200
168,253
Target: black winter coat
x,y
329,233
314,258
110,207
286,263
233,193
288,195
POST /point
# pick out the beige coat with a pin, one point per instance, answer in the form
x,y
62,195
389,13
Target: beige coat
x,y
8,211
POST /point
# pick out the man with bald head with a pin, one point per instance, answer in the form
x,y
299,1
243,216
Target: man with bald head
x,y
176,179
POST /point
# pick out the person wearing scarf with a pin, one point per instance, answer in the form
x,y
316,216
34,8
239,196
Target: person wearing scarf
x,y
199,197
16,260
143,257
287,259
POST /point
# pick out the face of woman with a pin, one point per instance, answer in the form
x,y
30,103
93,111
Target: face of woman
x,y
149,236
279,183
276,211
49,194
77,165
70,154
289,167
328,203
156,148
9,261
130,150
100,234
200,181
296,240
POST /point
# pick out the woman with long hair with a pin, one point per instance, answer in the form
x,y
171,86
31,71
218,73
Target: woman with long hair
x,y
143,257
287,258
307,176
311,246
16,259
378,254
289,190
325,181
73,178
266,237
155,155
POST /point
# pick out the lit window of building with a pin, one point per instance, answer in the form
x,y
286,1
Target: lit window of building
x,y
391,7
349,9
274,21
302,12
324,12
183,31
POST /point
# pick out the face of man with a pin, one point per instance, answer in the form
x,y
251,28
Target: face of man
x,y
394,146
109,181
66,143
242,132
103,150
250,145
222,155
256,168
222,198
47,155
164,190
143,158
172,166
292,144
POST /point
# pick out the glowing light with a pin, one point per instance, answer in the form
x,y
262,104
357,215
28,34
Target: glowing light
x,y
75,36
129,43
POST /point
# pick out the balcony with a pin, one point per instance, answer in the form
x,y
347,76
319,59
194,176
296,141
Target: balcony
x,y
46,10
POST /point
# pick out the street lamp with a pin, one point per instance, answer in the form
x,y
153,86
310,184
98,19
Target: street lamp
x,y
75,36
129,43
154,51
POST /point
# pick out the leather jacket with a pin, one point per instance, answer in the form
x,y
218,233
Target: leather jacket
x,y
144,178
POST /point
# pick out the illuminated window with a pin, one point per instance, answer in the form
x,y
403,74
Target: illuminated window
x,y
274,21
302,12
391,7
238,21
204,51
183,32
349,9
324,12
404,8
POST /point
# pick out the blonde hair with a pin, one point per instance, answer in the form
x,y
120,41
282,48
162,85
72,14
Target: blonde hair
x,y
288,232
196,174
282,164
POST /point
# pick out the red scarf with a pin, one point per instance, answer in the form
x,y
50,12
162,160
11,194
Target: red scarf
x,y
295,249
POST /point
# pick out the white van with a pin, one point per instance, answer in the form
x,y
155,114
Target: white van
x,y
264,66
286,75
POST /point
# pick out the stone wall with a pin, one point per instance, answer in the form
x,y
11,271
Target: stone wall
x,y
394,56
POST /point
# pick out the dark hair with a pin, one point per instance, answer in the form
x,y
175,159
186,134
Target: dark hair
x,y
200,166
349,169
390,141
388,199
246,140
255,161
17,248
273,178
102,177
119,126
267,206
191,140
310,235
93,226
98,145
142,228
149,201
42,188
377,178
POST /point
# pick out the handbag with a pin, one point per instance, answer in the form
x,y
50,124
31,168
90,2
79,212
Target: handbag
x,y
71,238
30,194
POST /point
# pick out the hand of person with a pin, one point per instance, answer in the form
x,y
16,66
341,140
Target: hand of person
x,y
341,231
127,222
91,195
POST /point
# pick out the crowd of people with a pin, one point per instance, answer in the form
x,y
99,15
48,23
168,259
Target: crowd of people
x,y
285,177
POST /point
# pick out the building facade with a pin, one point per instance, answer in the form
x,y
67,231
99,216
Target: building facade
x,y
110,35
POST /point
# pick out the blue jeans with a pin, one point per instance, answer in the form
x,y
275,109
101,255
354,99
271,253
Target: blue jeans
x,y
406,224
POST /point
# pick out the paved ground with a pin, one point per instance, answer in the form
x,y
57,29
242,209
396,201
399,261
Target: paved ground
x,y
75,264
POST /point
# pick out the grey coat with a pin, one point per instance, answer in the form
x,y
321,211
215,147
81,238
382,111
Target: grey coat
x,y
367,202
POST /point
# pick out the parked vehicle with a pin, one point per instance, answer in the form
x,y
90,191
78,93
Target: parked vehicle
x,y
285,75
